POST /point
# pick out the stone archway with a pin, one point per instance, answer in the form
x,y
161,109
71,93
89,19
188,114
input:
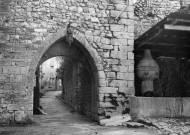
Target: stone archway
x,y
95,61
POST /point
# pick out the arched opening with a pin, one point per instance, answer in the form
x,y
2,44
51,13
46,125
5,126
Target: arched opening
x,y
79,76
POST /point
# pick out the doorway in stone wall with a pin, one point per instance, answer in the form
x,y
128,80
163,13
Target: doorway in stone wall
x,y
77,74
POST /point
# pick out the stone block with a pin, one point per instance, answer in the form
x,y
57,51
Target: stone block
x,y
101,74
108,90
90,38
126,48
107,47
102,82
118,83
80,9
40,30
106,105
120,42
115,27
11,70
96,33
8,86
130,91
127,62
15,78
24,70
131,69
122,35
120,68
6,119
101,97
105,41
130,15
126,90
12,107
130,29
125,76
21,117
99,67
120,6
115,120
21,63
94,19
88,33
96,39
131,84
112,61
106,54
130,55
118,1
5,62
110,75
131,42
119,54
114,14
129,22
131,2
3,77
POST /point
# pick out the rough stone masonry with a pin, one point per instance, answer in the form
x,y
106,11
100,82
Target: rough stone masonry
x,y
29,27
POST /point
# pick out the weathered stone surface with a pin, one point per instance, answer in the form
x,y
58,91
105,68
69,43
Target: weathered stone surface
x,y
6,119
105,41
106,105
119,54
108,90
29,29
21,117
134,124
125,76
111,75
120,42
122,35
114,27
171,126
118,120
143,21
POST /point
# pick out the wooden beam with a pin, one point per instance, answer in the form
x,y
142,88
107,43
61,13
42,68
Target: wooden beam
x,y
176,27
172,21
178,20
167,44
149,38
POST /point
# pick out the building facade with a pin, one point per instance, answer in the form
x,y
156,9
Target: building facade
x,y
103,33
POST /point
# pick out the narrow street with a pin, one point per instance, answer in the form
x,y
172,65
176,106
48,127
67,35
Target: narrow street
x,y
61,121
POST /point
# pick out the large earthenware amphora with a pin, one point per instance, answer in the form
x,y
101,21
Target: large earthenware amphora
x,y
147,70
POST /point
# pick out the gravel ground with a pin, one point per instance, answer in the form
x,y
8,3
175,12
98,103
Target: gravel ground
x,y
61,121
169,126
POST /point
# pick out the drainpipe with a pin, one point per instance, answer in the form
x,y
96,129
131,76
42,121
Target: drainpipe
x,y
122,10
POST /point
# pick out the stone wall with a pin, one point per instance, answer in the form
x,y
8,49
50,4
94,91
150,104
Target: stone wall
x,y
153,12
78,87
29,27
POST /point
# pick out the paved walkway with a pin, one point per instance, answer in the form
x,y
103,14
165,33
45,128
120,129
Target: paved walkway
x,y
60,121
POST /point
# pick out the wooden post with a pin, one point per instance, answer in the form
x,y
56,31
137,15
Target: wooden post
x,y
37,92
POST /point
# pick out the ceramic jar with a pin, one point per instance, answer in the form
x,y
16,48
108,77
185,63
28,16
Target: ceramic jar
x,y
147,70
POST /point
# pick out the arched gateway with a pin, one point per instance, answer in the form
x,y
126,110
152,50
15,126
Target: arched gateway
x,y
102,49
81,57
